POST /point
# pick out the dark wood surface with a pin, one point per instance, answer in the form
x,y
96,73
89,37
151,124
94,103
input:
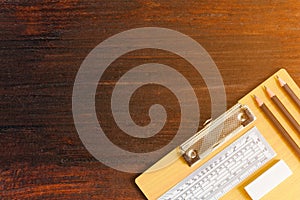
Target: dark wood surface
x,y
43,43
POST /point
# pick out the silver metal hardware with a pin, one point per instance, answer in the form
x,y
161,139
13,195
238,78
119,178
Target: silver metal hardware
x,y
215,133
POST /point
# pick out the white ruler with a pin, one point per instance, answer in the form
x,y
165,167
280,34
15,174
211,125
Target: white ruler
x,y
225,170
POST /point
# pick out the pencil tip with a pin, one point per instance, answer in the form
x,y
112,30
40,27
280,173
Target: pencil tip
x,y
270,92
281,82
258,101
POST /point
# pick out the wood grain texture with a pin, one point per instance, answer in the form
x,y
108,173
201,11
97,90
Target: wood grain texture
x,y
43,43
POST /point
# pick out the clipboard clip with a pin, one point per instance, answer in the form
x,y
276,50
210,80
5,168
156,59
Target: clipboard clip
x,y
215,133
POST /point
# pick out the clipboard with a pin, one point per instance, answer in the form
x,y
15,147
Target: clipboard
x,y
155,183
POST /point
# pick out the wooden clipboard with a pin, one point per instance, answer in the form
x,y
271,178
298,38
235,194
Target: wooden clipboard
x,y
155,183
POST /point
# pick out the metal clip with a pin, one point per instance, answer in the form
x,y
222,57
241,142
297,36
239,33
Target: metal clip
x,y
215,133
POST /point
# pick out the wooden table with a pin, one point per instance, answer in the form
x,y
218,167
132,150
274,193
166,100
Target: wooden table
x,y
43,45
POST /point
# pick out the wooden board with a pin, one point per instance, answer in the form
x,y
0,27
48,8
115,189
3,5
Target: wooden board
x,y
155,183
